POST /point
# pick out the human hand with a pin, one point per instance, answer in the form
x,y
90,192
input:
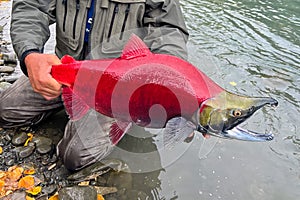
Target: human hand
x,y
39,68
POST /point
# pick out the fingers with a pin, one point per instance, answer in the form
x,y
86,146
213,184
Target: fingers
x,y
39,68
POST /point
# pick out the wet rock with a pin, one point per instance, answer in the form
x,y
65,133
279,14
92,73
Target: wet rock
x,y
4,86
43,145
19,195
105,190
9,58
26,151
121,180
11,78
19,139
9,162
7,137
44,148
96,169
78,193
6,69
40,140
50,190
42,197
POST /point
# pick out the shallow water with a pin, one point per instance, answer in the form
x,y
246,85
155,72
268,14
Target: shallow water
x,y
254,44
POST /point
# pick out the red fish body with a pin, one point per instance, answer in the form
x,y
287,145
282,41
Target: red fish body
x,y
140,86
156,91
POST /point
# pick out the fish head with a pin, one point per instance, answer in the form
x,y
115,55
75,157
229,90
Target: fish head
x,y
221,115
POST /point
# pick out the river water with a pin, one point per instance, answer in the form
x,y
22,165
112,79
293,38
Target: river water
x,y
250,47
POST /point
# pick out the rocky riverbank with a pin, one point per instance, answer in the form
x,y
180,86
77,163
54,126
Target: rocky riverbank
x,y
30,152
29,165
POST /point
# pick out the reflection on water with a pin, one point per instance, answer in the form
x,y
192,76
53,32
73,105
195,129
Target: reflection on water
x,y
254,43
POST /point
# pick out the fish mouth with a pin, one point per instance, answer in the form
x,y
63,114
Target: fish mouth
x,y
246,135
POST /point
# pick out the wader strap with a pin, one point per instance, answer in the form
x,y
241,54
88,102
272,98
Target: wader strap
x,y
89,22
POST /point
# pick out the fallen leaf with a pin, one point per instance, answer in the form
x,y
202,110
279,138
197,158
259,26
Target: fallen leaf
x,y
30,136
100,197
2,174
34,191
29,198
2,183
1,150
54,197
15,173
26,182
29,171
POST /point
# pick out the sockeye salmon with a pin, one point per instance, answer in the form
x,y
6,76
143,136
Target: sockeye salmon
x,y
156,91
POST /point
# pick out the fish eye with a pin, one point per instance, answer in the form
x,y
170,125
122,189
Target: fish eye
x,y
237,113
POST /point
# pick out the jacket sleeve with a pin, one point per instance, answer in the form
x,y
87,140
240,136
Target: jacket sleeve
x,y
167,32
29,29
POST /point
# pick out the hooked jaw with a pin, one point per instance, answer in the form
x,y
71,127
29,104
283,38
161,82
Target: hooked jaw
x,y
221,115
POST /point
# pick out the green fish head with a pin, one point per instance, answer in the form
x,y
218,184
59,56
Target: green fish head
x,y
221,115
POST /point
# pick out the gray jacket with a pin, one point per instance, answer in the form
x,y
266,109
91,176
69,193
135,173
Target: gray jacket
x,y
158,22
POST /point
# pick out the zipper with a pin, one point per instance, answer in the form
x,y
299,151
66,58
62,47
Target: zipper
x,y
116,10
64,2
75,19
124,22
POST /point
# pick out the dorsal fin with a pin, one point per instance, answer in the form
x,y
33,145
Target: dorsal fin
x,y
135,47
66,59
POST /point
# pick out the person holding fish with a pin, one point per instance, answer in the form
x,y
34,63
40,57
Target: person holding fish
x,y
133,70
85,29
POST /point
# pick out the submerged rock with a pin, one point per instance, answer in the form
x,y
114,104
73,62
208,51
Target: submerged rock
x,y
77,193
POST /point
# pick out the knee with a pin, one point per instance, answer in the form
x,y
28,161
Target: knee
x,y
6,114
76,155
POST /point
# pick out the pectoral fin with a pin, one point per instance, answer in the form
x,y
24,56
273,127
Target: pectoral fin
x,y
75,107
178,129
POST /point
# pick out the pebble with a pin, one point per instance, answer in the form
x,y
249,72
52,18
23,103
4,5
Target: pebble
x,y
4,86
9,58
26,151
11,78
40,140
50,190
9,162
19,139
43,148
6,69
